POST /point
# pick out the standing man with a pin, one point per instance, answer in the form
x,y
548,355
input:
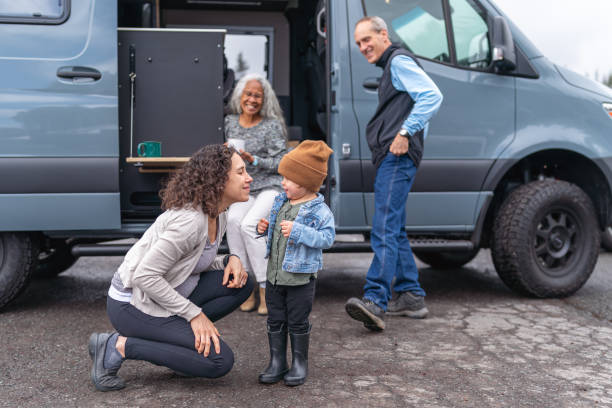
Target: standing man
x,y
407,100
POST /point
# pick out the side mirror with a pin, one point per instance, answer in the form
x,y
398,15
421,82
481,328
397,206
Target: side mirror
x,y
504,56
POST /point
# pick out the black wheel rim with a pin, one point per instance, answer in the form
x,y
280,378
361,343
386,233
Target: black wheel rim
x,y
557,241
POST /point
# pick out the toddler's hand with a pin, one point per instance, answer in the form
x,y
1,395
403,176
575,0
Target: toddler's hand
x,y
262,226
286,227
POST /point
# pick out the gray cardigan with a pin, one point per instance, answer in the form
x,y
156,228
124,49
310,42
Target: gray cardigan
x,y
164,258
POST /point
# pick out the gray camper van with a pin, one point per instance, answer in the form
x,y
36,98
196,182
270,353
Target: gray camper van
x,y
518,159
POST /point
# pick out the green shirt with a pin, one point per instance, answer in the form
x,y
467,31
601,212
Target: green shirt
x,y
276,274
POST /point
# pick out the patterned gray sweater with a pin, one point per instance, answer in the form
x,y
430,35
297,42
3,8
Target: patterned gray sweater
x,y
266,141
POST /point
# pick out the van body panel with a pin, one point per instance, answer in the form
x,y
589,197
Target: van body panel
x,y
429,212
59,119
585,83
40,212
553,114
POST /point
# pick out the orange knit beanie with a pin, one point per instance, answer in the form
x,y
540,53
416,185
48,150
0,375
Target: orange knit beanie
x,y
306,165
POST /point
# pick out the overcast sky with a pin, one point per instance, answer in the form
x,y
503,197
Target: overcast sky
x,y
574,34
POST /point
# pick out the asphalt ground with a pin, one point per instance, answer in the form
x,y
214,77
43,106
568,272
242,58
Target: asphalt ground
x,y
482,346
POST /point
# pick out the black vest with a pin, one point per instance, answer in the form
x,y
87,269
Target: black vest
x,y
393,108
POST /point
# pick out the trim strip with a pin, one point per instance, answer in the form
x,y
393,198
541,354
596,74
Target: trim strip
x,y
432,176
56,175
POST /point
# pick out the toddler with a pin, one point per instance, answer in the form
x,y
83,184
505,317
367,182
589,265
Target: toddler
x,y
300,226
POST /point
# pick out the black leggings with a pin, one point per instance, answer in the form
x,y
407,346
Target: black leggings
x,y
169,341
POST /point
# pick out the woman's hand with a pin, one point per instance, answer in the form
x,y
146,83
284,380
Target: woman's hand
x,y
234,275
286,227
246,156
262,226
204,330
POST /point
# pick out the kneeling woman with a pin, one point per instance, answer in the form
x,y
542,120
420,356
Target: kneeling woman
x,y
171,287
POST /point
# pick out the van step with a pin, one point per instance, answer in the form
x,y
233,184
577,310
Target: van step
x,y
420,244
439,244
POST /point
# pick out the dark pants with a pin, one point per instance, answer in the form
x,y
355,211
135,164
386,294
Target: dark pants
x,y
169,341
290,306
392,253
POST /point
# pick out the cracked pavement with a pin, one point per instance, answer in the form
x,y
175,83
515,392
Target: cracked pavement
x,y
482,346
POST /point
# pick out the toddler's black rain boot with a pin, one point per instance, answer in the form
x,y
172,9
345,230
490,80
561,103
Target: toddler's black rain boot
x,y
278,357
299,365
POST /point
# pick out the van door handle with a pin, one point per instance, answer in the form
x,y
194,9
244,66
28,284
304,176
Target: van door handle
x,y
78,72
371,83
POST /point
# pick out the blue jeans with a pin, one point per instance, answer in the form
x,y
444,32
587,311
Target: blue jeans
x,y
392,254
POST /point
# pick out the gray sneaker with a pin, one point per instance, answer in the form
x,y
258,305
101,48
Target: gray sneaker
x,y
367,312
408,304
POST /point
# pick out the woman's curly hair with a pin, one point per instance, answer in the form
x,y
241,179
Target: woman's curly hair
x,y
201,181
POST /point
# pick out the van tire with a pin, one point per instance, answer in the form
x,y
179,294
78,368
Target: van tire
x,y
54,260
18,255
606,238
446,260
545,239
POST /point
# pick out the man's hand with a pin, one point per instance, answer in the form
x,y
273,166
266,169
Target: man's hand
x,y
399,145
286,227
262,226
204,330
234,275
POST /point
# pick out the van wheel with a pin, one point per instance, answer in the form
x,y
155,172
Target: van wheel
x,y
54,260
606,238
18,254
446,260
545,239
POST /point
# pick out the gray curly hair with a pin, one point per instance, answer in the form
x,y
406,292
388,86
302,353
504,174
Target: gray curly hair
x,y
270,107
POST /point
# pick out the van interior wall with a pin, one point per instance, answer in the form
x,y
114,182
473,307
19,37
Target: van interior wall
x,y
308,92
222,18
137,13
298,57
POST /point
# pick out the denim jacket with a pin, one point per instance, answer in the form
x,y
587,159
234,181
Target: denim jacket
x,y
313,230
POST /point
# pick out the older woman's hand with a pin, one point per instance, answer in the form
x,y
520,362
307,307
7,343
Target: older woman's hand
x,y
246,156
204,330
234,275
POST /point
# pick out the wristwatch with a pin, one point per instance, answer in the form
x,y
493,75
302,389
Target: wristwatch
x,y
404,133
227,257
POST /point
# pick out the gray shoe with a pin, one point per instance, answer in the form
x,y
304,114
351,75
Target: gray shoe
x,y
105,379
366,311
408,304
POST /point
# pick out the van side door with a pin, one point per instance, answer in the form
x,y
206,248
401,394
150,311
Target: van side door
x,y
474,124
58,115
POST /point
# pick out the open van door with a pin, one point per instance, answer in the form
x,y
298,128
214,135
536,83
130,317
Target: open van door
x,y
344,132
58,116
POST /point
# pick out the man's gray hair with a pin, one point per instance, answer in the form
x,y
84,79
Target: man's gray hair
x,y
270,108
378,24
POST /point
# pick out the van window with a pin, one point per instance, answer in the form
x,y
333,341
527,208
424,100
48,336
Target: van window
x,y
247,53
419,25
471,34
34,11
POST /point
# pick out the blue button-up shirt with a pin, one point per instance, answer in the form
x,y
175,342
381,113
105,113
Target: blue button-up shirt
x,y
407,76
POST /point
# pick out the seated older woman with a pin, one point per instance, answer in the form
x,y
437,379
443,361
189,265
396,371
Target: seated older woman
x,y
258,120
171,286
